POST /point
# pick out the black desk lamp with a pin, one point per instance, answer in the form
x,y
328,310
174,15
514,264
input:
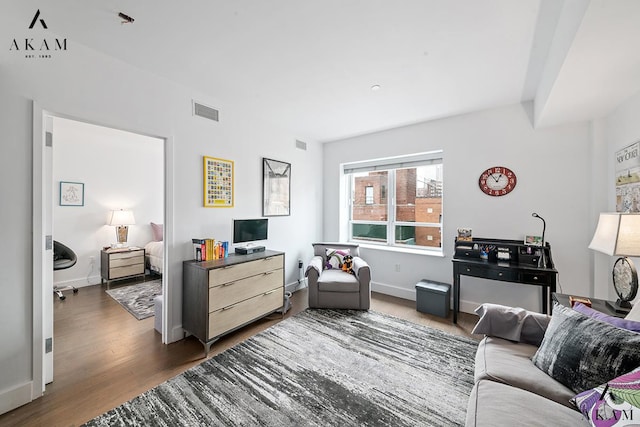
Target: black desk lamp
x,y
542,262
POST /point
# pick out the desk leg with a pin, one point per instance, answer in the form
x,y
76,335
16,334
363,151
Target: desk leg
x,y
456,294
545,299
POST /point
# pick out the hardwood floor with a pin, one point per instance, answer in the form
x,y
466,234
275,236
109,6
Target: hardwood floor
x,y
103,356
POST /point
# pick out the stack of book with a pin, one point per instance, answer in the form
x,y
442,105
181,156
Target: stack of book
x,y
208,249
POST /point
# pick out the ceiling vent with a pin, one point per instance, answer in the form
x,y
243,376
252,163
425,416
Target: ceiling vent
x,y
205,111
301,145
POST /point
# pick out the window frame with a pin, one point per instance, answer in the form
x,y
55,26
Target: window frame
x,y
391,165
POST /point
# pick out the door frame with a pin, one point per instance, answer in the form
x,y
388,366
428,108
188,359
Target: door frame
x,y
42,258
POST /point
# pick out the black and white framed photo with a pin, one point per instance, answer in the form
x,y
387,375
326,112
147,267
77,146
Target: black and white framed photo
x,y
276,188
71,193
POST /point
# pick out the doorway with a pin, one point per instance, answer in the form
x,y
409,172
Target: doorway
x,y
46,192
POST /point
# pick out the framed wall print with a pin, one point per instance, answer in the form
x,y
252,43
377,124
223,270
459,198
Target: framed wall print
x,y
71,193
218,183
276,188
628,178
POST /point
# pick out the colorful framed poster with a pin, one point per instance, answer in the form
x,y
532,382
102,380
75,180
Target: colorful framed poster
x,y
276,187
218,183
628,179
71,193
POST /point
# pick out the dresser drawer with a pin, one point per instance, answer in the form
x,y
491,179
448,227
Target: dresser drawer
x,y
130,270
123,262
232,316
125,255
235,272
240,290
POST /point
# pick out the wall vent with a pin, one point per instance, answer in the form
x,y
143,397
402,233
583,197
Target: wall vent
x,y
205,111
301,145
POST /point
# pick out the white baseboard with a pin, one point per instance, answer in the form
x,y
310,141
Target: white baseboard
x,y
394,291
15,397
80,283
175,334
295,286
410,294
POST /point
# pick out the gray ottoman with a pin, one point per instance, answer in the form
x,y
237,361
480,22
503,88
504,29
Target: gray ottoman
x,y
433,297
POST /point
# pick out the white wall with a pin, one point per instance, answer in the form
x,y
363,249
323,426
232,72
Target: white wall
x,y
84,84
553,167
622,128
120,170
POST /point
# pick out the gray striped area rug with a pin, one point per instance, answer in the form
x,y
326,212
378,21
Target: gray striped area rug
x,y
318,368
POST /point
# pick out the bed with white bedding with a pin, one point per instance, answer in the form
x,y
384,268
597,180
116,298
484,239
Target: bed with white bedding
x,y
154,250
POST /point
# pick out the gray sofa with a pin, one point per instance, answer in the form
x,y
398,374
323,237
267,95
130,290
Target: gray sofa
x,y
509,389
333,288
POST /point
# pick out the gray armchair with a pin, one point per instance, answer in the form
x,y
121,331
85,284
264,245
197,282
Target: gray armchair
x,y
334,288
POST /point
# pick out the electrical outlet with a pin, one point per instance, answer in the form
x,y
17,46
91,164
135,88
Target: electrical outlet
x,y
92,260
300,263
398,268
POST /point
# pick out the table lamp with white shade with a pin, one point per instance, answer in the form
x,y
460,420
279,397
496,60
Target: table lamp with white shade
x,y
121,219
618,234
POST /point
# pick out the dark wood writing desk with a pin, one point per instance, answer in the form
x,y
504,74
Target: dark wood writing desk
x,y
520,268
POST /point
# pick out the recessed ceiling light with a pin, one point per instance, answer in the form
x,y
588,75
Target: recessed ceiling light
x,y
375,87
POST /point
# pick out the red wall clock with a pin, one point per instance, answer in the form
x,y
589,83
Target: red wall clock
x,y
497,181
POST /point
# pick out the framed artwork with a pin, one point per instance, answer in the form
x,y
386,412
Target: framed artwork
x,y
628,179
276,185
71,193
218,183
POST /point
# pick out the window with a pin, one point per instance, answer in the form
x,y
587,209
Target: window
x,y
402,203
368,195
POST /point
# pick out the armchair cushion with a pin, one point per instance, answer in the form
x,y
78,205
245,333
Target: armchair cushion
x,y
338,281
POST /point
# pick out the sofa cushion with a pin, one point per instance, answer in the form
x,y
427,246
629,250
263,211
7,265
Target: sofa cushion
x,y
619,405
337,281
612,320
581,352
495,404
507,362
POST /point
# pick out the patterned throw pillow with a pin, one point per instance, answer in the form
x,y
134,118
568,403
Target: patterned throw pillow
x,y
616,403
581,352
334,258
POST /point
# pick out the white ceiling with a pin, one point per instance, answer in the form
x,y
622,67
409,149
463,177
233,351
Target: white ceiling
x,y
308,66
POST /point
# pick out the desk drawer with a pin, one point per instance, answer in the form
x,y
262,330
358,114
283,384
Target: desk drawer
x,y
535,278
489,273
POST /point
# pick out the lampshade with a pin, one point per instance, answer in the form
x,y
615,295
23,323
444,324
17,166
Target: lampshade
x,y
617,234
122,217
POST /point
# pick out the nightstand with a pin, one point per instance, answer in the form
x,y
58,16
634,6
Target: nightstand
x,y
122,263
597,304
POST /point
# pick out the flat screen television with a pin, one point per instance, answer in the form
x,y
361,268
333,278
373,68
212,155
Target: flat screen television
x,y
250,230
